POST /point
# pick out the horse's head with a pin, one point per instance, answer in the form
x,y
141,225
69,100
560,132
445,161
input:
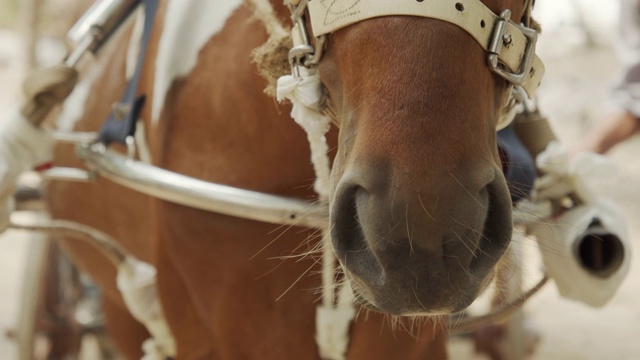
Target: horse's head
x,y
420,211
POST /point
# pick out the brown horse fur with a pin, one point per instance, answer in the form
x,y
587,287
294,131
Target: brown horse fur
x,y
226,293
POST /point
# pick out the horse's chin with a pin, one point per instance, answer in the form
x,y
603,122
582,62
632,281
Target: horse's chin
x,y
366,302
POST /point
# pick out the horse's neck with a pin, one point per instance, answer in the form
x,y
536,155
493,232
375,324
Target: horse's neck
x,y
212,119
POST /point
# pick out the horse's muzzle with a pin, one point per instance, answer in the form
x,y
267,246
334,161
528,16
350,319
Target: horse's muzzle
x,y
409,255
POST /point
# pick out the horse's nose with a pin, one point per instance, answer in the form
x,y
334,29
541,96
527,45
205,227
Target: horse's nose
x,y
422,250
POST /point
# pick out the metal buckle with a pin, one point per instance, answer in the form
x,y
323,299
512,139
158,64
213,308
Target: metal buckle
x,y
303,53
499,39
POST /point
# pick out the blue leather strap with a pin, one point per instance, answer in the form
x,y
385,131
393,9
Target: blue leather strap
x,y
122,120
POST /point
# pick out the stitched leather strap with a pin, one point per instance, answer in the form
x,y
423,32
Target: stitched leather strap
x,y
472,16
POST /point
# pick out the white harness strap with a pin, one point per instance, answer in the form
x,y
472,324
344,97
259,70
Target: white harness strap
x,y
472,16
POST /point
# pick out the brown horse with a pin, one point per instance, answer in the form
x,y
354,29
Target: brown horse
x,y
420,212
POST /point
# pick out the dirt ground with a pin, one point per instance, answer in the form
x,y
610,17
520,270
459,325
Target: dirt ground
x,y
572,95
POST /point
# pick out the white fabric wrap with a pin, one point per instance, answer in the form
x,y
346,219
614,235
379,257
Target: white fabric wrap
x,y
559,237
305,94
137,282
562,176
22,147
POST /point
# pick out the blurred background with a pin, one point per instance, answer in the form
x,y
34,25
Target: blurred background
x,y
576,47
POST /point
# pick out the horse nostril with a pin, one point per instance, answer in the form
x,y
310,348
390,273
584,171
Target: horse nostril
x,y
347,234
497,226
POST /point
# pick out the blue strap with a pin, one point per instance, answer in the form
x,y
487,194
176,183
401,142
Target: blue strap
x,y
122,120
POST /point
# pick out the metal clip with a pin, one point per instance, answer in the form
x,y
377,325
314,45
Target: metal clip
x,y
303,52
498,40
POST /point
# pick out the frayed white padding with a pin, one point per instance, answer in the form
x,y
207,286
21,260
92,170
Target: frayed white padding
x,y
22,147
305,93
333,324
152,350
137,283
585,248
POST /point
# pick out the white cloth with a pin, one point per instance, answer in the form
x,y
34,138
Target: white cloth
x,y
560,234
562,176
22,147
559,240
137,283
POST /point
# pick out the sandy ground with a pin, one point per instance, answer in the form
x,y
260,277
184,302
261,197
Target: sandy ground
x,y
572,95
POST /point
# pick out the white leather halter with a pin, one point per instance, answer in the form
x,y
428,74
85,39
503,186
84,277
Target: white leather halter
x,y
510,47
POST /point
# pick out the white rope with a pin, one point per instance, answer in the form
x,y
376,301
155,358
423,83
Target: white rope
x,y
304,90
305,93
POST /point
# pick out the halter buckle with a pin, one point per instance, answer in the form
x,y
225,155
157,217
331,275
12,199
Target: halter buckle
x,y
499,40
303,53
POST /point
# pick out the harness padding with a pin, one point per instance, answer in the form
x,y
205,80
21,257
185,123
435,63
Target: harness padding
x,y
136,281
